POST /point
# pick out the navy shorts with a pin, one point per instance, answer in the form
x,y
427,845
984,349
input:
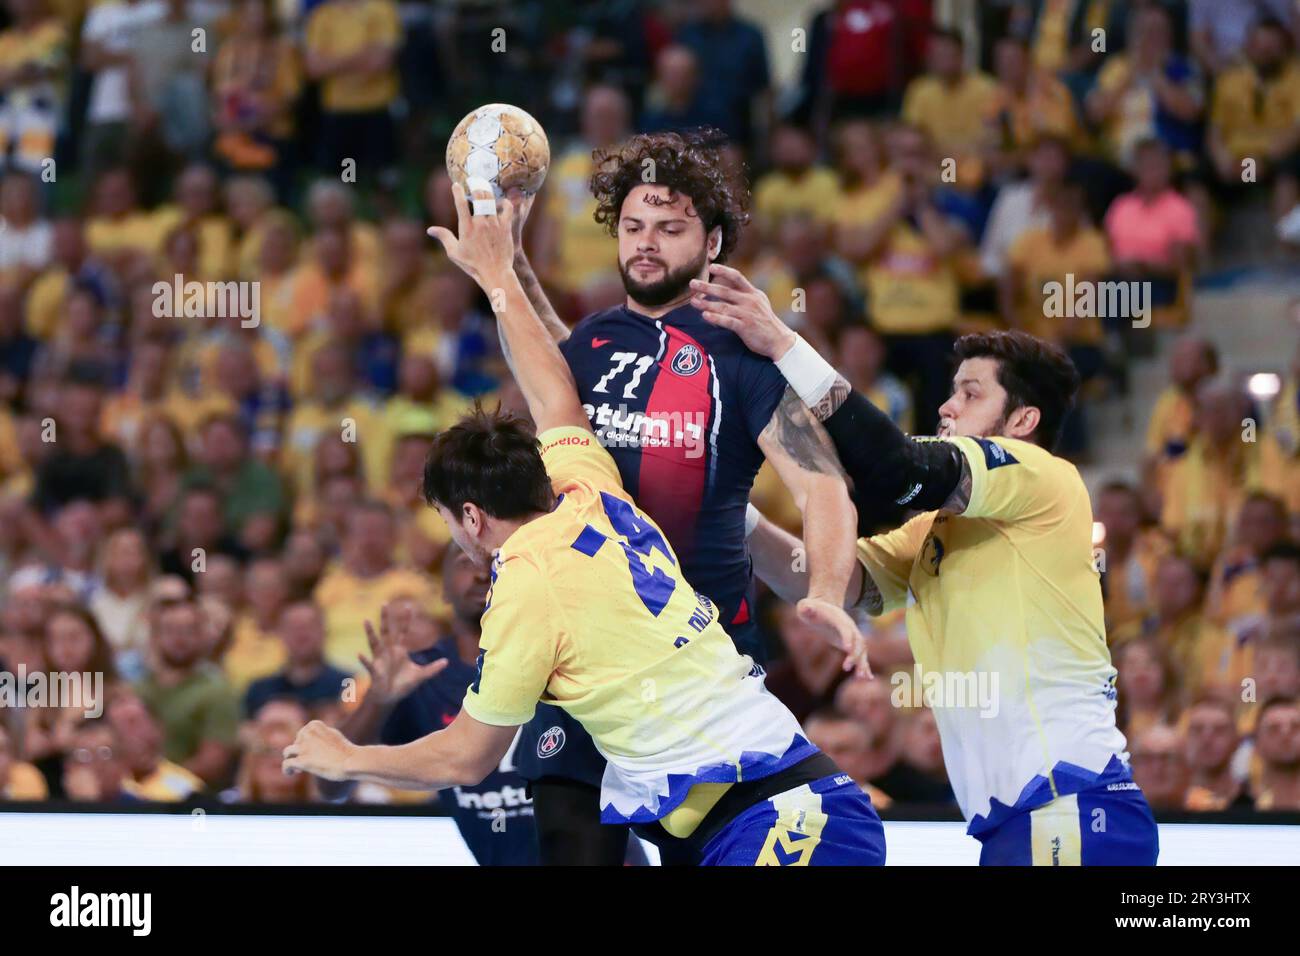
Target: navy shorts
x,y
1099,827
829,822
553,744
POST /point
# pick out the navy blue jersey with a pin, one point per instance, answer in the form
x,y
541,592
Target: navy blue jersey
x,y
680,403
495,818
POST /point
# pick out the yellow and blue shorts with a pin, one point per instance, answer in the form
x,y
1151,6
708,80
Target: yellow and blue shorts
x,y
1105,826
829,822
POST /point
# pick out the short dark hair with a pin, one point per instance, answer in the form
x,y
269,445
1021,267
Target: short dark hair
x,y
1280,700
689,164
949,34
490,458
1281,551
1034,373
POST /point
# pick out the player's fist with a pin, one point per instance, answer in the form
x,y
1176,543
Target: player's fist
x,y
834,624
318,749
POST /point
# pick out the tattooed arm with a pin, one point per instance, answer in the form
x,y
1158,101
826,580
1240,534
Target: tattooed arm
x,y
532,286
804,458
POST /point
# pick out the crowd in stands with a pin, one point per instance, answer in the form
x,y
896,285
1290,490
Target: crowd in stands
x,y
206,510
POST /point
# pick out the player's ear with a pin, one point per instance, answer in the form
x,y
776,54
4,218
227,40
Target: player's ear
x,y
715,243
1023,422
471,517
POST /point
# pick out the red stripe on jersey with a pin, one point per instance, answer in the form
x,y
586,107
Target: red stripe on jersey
x,y
742,615
673,477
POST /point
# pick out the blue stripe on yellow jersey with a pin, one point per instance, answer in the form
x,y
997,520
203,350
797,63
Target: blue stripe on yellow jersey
x,y
589,611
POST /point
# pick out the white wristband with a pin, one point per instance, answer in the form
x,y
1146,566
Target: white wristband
x,y
752,515
810,375
481,207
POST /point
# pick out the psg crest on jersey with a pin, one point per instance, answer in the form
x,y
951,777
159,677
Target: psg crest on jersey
x,y
550,743
687,361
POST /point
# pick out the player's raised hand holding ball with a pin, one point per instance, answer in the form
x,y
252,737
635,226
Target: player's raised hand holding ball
x,y
485,246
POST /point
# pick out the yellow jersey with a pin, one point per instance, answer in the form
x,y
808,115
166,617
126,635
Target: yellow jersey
x,y
1004,616
589,611
339,29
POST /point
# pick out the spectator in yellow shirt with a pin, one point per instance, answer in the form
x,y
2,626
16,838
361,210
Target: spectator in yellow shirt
x,y
350,48
364,580
1030,104
868,188
1211,743
250,203
1234,661
332,407
797,185
911,253
1236,583
333,266
117,229
1131,550
1070,245
71,264
1149,90
1256,115
1148,687
407,264
138,742
331,206
255,650
574,252
1176,622
1205,487
422,535
277,271
19,780
1192,360
422,404
953,106
33,72
1280,449
197,206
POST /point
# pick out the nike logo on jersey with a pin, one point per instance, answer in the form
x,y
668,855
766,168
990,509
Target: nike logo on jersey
x,y
597,343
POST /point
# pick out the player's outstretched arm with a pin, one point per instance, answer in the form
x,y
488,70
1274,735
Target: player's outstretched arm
x,y
804,458
888,469
462,755
484,249
393,675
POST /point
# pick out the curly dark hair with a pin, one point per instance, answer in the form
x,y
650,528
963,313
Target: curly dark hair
x,y
689,163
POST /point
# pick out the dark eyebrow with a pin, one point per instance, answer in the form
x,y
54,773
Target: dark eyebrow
x,y
662,222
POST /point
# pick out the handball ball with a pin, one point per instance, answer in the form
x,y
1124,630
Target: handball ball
x,y
501,144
